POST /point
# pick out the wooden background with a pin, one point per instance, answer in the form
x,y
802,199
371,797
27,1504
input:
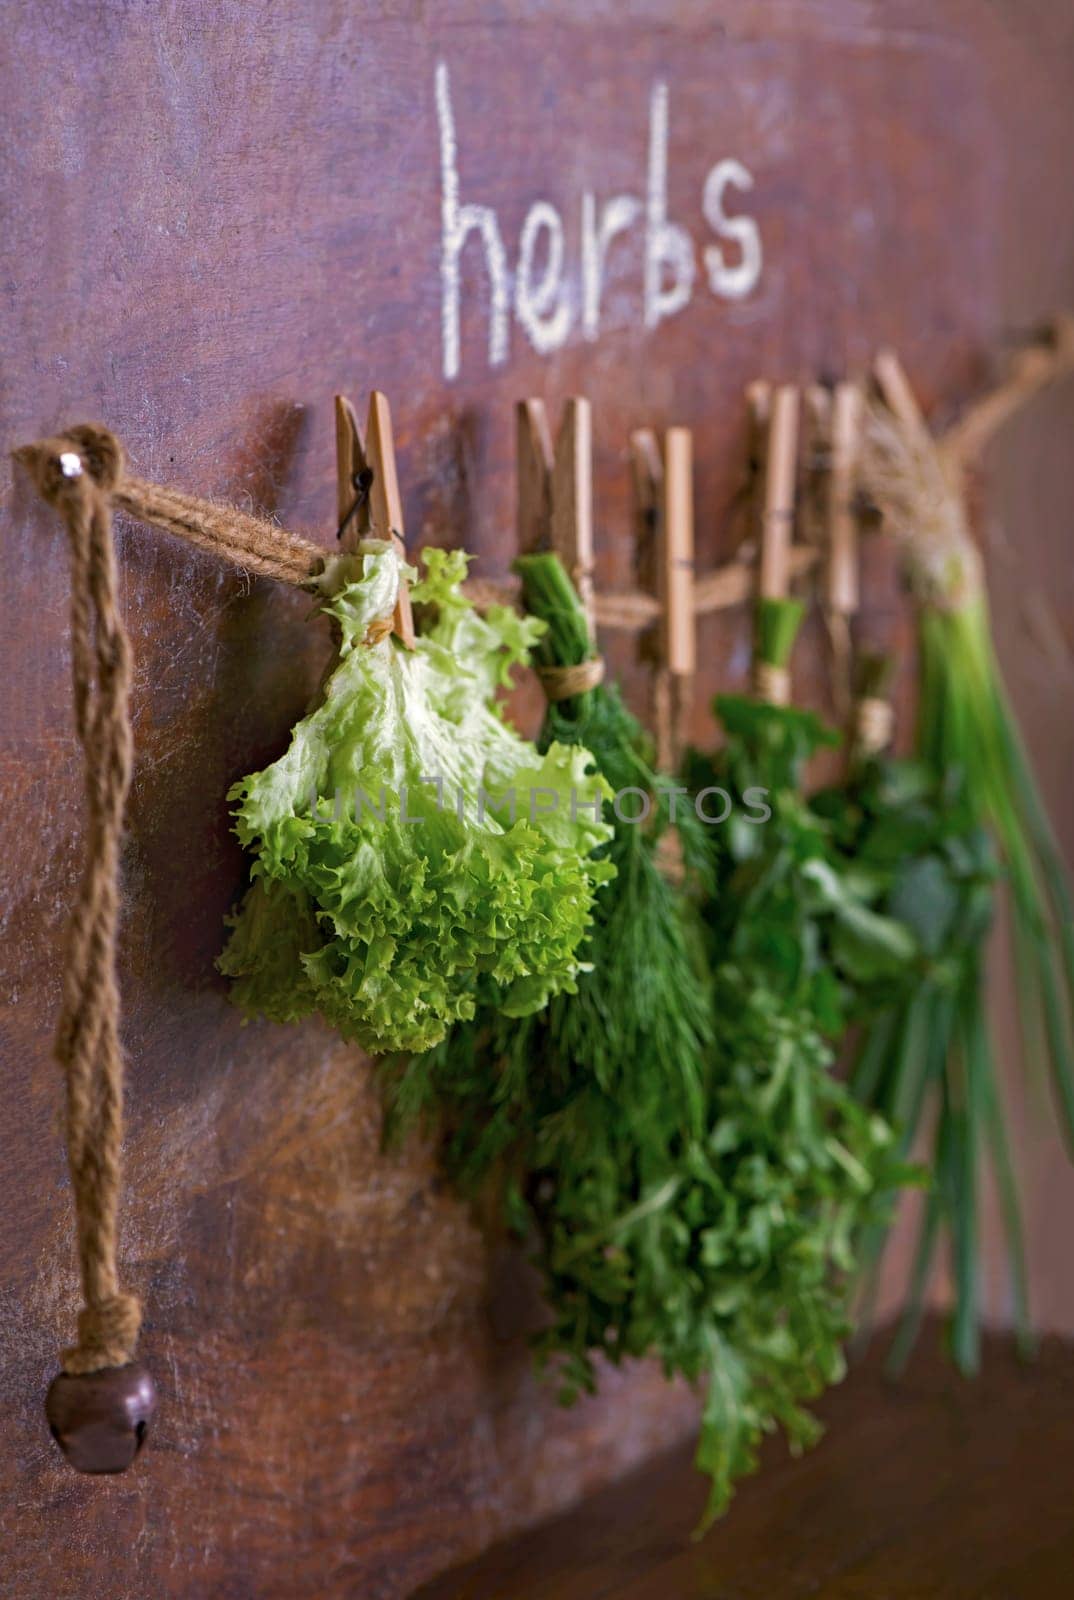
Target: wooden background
x,y
213,218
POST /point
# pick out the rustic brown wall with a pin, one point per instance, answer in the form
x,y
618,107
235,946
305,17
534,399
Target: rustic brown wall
x,y
214,217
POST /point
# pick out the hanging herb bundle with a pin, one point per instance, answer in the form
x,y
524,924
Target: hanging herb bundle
x,y
590,1111
785,902
690,1181
393,878
966,727
793,935
966,723
924,1038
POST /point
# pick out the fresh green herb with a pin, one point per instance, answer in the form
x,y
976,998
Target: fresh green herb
x,y
785,901
690,1177
586,1102
401,863
966,726
777,625
924,1041
793,934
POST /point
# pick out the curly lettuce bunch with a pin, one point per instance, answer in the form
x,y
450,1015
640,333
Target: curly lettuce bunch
x,y
410,846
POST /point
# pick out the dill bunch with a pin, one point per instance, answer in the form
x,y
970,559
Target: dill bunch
x,y
559,1099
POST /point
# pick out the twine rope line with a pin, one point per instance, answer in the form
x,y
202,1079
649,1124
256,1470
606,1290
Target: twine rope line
x,y
77,473
247,541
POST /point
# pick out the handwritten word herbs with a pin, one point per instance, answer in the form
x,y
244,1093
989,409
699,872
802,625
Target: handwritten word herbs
x,y
538,289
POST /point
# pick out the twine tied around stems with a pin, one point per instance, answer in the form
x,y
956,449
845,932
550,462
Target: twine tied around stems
x,y
772,683
874,723
561,683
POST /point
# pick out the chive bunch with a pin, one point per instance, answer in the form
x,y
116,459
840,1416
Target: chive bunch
x,y
966,728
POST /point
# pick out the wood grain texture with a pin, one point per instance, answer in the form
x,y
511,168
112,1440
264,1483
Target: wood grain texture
x,y
932,1487
214,219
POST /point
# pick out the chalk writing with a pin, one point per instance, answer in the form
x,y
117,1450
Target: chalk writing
x,y
538,291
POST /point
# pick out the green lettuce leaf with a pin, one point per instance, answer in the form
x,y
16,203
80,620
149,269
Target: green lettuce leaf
x,y
409,843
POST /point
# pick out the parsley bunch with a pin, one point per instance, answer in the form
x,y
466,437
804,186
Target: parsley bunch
x,y
794,934
787,903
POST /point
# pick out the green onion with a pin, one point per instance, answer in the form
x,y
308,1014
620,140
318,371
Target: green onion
x,y
966,728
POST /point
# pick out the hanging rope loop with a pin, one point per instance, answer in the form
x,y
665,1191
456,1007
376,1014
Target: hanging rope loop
x,y
77,472
72,466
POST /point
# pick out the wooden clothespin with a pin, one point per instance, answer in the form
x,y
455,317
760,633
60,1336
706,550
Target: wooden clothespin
x,y
816,451
772,677
647,479
780,485
367,491
735,583
664,524
759,401
555,489
841,584
533,476
842,412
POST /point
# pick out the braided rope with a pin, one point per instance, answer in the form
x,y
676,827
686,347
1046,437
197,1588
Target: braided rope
x,y
77,473
249,542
